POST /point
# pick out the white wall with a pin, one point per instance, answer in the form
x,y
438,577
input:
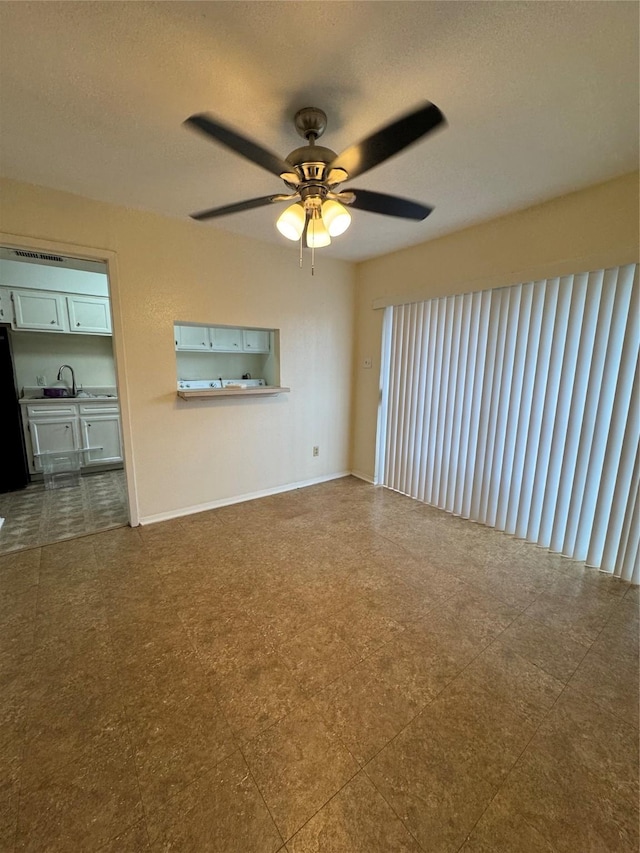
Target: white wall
x,y
184,454
42,353
42,277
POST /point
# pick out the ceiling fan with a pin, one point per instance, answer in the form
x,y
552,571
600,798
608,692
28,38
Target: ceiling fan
x,y
313,173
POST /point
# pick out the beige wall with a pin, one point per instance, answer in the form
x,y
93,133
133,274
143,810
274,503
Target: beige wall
x,y
589,229
188,454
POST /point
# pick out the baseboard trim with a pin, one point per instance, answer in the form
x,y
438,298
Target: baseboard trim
x,y
364,477
251,496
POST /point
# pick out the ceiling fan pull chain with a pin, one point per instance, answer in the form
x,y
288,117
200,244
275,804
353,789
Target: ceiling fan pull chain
x,y
313,246
301,238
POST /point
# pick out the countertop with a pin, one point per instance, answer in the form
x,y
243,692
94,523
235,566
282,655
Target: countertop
x,y
84,398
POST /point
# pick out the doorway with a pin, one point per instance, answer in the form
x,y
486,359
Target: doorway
x,y
57,310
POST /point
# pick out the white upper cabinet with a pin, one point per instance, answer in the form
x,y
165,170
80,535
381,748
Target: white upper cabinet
x,y
225,339
89,315
46,311
6,311
39,311
192,338
255,340
221,339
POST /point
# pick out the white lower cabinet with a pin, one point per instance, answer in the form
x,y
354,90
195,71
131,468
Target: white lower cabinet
x,y
52,434
93,429
102,433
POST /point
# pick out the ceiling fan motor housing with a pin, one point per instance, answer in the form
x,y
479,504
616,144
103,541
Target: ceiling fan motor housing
x,y
311,161
310,121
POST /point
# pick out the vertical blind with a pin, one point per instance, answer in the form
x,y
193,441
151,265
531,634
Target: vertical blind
x,y
519,408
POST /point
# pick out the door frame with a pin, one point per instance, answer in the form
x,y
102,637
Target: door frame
x,y
110,258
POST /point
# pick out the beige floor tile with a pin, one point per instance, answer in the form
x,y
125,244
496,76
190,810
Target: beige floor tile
x,y
513,680
318,656
19,571
9,796
78,805
437,796
555,652
612,682
583,736
571,808
298,766
620,637
485,733
480,616
134,662
365,709
632,594
502,580
256,695
176,736
577,781
132,840
72,718
504,830
357,820
221,812
582,617
363,629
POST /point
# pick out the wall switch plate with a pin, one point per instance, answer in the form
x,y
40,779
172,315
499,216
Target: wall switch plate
x,y
316,450
41,381
366,363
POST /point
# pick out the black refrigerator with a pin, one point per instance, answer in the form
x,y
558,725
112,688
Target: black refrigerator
x,y
14,472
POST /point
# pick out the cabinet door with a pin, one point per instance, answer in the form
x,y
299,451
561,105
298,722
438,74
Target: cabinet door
x,y
89,315
192,338
51,435
255,340
39,311
6,310
101,432
226,340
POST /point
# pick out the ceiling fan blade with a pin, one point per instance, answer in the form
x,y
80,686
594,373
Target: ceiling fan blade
x,y
240,144
389,205
239,206
387,141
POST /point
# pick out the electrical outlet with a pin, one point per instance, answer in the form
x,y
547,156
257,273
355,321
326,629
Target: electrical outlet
x,y
366,363
41,381
316,450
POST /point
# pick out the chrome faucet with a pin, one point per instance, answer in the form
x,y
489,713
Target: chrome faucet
x,y
73,378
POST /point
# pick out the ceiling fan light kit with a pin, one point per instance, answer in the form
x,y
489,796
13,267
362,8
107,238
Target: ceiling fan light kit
x,y
313,174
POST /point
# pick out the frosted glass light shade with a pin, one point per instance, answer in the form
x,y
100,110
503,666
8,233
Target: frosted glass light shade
x,y
336,217
291,223
317,234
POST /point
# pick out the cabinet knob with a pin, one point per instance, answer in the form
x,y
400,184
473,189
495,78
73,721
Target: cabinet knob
x,y
66,426
53,322
77,324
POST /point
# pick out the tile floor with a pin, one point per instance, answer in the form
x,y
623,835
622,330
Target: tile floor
x,y
38,516
333,670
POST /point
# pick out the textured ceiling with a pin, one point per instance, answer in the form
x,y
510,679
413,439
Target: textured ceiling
x,y
541,99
